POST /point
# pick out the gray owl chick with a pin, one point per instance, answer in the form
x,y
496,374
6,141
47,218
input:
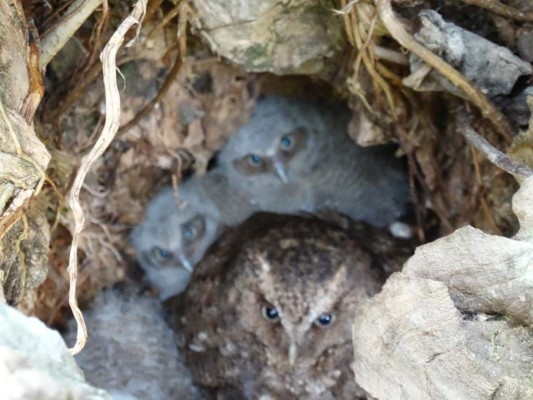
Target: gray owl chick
x,y
179,227
270,318
293,156
131,351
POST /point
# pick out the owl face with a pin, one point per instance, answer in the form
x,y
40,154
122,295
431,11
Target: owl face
x,y
299,324
297,296
174,236
276,145
276,158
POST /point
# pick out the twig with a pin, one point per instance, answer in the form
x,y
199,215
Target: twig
x,y
81,85
399,33
165,20
390,55
169,80
492,154
171,76
108,58
54,40
502,9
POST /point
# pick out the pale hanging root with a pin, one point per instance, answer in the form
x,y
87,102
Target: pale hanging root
x,y
492,154
398,32
108,57
361,25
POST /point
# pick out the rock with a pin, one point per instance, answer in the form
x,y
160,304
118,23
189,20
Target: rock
x,y
422,347
35,363
492,68
523,210
270,35
483,273
457,322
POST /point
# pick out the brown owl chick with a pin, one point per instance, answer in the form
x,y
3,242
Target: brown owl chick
x,y
271,319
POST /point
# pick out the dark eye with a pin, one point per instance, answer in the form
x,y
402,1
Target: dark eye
x,y
254,160
286,143
324,320
270,313
189,233
161,254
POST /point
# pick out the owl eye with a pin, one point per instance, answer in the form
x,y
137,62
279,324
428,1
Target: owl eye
x,y
286,143
161,254
324,320
270,313
254,160
189,233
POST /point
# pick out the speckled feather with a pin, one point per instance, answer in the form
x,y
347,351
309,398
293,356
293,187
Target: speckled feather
x,y
303,268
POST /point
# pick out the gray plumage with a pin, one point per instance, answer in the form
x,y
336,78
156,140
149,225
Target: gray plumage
x,y
295,156
131,350
179,227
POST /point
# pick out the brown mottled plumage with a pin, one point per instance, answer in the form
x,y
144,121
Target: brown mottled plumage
x,y
271,318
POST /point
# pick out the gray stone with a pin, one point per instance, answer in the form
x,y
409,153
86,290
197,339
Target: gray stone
x,y
270,35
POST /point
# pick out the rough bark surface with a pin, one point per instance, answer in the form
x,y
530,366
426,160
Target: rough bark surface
x,y
24,238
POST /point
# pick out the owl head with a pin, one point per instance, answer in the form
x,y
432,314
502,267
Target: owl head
x,y
277,142
178,228
298,293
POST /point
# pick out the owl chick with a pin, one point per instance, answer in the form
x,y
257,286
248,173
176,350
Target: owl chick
x,y
294,156
271,319
131,350
179,227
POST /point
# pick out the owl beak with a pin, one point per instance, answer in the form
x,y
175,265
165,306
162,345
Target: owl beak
x,y
186,263
293,354
280,170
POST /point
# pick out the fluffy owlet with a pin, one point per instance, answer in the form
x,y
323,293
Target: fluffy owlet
x,y
131,350
179,227
294,155
270,318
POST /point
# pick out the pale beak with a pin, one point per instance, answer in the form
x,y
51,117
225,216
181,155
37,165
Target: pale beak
x,y
293,354
186,263
280,170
